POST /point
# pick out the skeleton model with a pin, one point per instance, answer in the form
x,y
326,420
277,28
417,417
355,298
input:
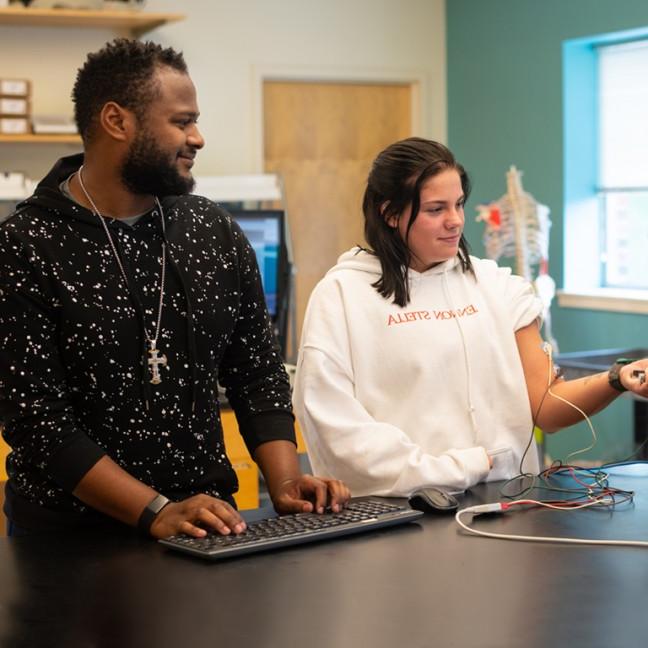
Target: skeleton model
x,y
518,227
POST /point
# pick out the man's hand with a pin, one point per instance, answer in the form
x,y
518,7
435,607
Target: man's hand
x,y
209,512
110,489
306,493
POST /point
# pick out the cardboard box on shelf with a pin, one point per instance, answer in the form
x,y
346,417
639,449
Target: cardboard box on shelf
x,y
96,5
15,87
53,125
13,185
14,126
18,106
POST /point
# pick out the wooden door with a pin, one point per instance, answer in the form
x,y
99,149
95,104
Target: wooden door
x,y
322,138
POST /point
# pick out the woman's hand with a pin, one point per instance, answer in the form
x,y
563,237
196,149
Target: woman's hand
x,y
634,377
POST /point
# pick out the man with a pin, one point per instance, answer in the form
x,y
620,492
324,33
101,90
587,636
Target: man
x,y
123,300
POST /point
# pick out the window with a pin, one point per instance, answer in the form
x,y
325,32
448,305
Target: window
x,y
623,164
606,172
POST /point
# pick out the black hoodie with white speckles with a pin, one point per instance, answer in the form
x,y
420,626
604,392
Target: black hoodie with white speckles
x,y
74,384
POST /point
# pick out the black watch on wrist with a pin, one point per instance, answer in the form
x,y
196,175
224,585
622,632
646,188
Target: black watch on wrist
x,y
150,513
613,374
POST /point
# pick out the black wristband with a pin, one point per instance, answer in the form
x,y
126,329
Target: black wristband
x,y
614,379
150,512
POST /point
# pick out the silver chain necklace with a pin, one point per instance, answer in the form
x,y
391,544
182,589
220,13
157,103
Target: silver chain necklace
x,y
155,361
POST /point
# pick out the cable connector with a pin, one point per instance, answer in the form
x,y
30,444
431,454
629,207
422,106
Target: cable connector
x,y
494,507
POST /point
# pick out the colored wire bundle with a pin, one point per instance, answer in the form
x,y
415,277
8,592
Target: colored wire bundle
x,y
605,500
583,482
580,487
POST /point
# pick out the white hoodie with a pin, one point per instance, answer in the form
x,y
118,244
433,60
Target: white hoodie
x,y
391,399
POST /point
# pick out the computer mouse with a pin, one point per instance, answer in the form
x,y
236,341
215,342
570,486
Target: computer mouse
x,y
433,500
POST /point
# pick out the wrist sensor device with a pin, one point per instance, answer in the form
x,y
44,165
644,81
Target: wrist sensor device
x,y
614,377
150,512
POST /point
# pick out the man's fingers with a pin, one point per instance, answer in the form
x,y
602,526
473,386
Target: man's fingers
x,y
339,494
191,529
196,515
293,505
327,491
222,517
229,515
310,493
319,492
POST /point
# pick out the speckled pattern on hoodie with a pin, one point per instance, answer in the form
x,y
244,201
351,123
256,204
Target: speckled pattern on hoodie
x,y
73,381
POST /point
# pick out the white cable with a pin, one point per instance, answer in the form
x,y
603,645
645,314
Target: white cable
x,y
587,420
497,508
549,351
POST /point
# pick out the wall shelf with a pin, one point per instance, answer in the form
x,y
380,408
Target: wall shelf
x,y
137,22
40,139
134,22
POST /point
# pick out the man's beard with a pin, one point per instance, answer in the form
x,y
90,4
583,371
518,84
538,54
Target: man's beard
x,y
147,170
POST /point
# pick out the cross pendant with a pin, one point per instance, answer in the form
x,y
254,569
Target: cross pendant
x,y
154,362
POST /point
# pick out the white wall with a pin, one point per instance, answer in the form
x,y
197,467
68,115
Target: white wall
x,y
227,43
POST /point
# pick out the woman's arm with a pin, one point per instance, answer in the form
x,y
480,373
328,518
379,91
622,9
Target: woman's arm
x,y
590,394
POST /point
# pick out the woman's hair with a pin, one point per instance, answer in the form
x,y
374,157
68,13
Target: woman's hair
x,y
395,181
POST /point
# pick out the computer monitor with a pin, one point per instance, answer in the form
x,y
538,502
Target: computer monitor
x,y
266,231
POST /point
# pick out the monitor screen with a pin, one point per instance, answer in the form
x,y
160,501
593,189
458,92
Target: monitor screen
x,y
264,230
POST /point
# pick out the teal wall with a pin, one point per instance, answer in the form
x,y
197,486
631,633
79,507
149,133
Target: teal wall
x,y
505,106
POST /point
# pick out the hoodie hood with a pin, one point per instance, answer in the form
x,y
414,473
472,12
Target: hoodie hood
x,y
360,260
48,195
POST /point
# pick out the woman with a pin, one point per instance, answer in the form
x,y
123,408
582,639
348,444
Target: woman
x,y
419,364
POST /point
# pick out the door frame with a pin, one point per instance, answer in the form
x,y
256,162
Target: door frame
x,y
416,79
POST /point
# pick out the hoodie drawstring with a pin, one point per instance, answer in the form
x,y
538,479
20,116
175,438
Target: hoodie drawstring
x,y
191,335
191,332
139,311
471,407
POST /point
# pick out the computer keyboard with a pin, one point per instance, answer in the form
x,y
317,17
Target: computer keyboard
x,y
359,515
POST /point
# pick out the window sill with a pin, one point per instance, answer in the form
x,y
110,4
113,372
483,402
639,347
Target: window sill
x,y
606,299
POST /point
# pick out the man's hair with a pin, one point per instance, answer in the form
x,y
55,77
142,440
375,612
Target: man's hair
x,y
122,71
395,181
